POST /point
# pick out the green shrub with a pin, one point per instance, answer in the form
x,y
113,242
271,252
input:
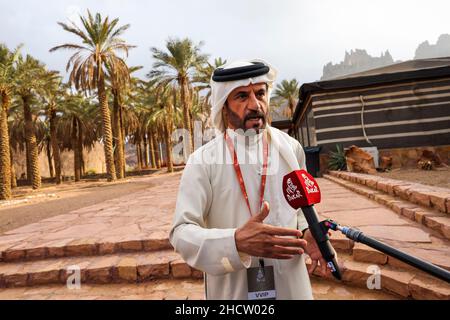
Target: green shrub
x,y
90,172
337,159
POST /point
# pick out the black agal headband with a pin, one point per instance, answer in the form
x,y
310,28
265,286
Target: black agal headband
x,y
254,70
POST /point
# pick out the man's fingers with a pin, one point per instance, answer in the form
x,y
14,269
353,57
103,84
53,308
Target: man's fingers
x,y
279,231
288,242
288,250
312,266
264,212
323,266
280,256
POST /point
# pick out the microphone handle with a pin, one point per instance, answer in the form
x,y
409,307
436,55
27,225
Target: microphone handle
x,y
321,237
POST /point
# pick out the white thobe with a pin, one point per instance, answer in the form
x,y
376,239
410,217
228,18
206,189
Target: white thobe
x,y
210,207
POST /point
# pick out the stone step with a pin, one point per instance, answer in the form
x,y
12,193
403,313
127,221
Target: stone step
x,y
10,251
157,289
112,268
324,289
423,195
76,248
437,256
172,289
433,219
405,284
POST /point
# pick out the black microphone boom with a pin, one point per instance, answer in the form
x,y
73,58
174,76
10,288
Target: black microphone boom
x,y
358,236
322,240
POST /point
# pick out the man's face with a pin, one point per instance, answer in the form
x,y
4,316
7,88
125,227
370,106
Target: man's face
x,y
246,107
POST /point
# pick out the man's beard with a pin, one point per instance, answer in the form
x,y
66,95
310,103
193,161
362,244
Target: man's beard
x,y
258,117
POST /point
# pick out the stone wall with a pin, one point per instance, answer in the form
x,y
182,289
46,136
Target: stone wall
x,y
94,161
401,157
407,157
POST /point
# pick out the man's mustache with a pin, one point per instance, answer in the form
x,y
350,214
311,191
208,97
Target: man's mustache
x,y
255,114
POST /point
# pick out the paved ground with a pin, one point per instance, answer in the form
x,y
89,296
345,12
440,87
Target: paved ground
x,y
146,214
34,206
172,290
375,220
138,215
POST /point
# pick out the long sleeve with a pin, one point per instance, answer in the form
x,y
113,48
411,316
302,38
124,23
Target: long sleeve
x,y
300,154
210,250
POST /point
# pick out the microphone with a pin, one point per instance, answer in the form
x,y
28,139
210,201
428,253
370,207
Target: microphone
x,y
302,191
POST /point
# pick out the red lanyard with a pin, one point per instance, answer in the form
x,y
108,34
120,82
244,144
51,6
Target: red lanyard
x,y
237,168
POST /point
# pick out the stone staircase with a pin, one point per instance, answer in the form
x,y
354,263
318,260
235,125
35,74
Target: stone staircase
x,y
149,261
121,249
111,268
424,204
426,235
122,241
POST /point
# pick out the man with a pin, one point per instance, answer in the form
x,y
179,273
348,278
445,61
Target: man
x,y
247,247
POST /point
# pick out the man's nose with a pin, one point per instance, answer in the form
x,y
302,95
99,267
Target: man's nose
x,y
253,103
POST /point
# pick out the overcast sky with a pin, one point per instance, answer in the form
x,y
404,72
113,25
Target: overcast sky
x,y
297,36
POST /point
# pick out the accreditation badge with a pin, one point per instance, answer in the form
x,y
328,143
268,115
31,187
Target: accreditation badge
x,y
261,283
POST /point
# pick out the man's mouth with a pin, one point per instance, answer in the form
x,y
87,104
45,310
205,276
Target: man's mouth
x,y
255,121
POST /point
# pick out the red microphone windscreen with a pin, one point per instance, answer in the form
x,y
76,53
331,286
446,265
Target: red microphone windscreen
x,y
300,189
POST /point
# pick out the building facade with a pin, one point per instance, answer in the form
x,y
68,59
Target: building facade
x,y
402,106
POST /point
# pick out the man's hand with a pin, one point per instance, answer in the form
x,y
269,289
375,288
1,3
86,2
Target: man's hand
x,y
313,251
261,240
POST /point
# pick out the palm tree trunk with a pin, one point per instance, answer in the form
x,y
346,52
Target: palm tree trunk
x,y
49,159
27,158
13,171
122,130
80,147
76,153
55,146
168,144
152,148
118,139
30,137
291,106
168,135
107,133
5,152
160,142
138,155
157,156
145,149
186,110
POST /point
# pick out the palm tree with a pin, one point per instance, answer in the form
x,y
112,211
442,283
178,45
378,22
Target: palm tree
x,y
100,43
288,90
77,128
203,74
177,65
7,61
42,130
120,90
53,91
27,83
17,139
164,114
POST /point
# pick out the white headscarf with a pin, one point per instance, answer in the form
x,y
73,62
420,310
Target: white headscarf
x,y
221,90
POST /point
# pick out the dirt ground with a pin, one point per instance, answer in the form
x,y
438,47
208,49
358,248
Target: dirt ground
x,y
50,201
439,177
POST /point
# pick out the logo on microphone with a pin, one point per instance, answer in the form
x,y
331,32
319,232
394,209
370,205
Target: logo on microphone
x,y
292,191
309,184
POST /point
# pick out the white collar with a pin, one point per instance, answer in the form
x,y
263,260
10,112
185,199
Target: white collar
x,y
249,136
